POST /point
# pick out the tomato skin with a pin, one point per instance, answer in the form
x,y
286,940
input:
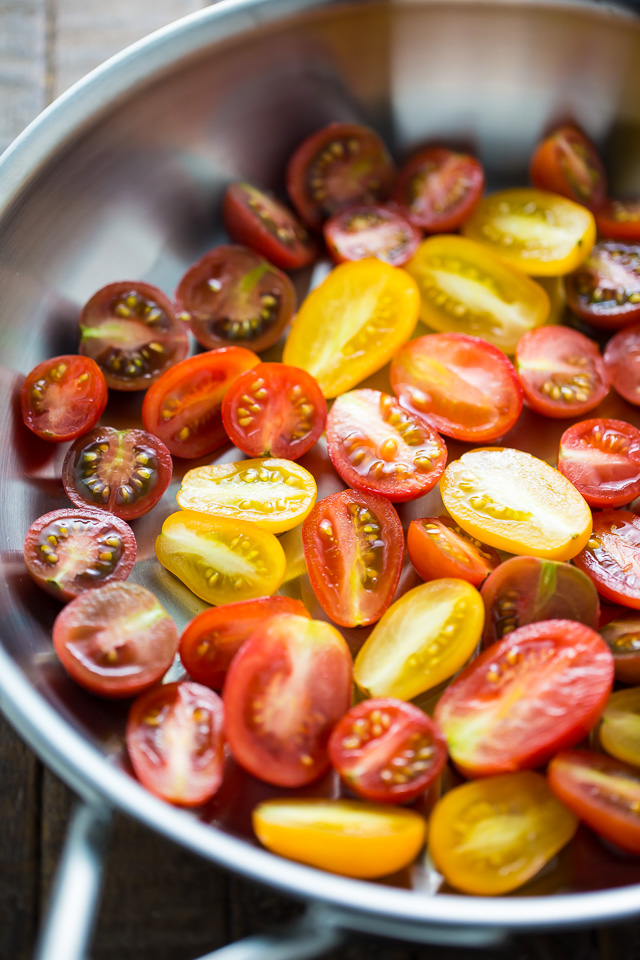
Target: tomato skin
x,y
439,188
605,290
284,692
371,230
439,548
566,162
622,360
619,220
63,397
159,723
255,218
618,731
601,458
611,558
622,634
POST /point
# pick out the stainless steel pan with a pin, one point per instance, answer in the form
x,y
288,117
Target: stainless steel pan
x,y
122,178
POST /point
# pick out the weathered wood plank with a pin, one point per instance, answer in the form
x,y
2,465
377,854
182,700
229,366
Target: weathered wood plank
x,y
23,30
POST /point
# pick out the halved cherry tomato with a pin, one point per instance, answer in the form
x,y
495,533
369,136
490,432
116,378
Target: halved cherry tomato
x,y
622,635
603,792
175,742
619,732
387,750
115,641
257,219
605,290
541,233
371,230
274,410
491,836
463,385
69,551
619,220
466,288
561,371
438,547
515,502
352,324
212,639
601,457
232,296
285,690
349,837
275,495
611,558
566,162
353,545
526,590
337,166
122,471
219,559
539,690
131,331
439,188
183,407
622,360
63,397
423,639
378,447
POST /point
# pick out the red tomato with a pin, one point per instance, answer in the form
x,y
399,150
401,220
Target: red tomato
x,y
622,360
605,290
611,558
234,297
566,162
122,471
439,188
255,218
115,641
561,371
184,407
212,639
63,397
463,385
69,551
601,458
387,750
619,220
131,331
378,447
371,230
175,742
337,166
438,547
274,410
353,545
285,690
539,690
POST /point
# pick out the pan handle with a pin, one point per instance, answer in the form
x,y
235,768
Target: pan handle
x,y
310,936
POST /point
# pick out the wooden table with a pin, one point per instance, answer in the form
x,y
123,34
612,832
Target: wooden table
x,y
159,902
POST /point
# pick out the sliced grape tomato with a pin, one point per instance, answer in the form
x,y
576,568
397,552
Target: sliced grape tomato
x,y
439,188
622,635
605,290
611,557
371,230
566,162
63,397
438,547
622,361
619,731
255,218
619,220
601,458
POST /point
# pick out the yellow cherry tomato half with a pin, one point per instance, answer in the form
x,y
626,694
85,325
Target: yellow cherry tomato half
x,y
513,501
274,494
620,726
466,288
350,837
219,559
353,323
424,638
490,836
541,233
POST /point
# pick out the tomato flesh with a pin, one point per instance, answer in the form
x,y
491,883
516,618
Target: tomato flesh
x,y
611,558
371,230
566,162
605,291
622,360
622,635
439,188
255,218
619,220
438,547
601,458
63,397
620,726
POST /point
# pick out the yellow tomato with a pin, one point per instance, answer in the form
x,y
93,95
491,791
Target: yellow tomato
x,y
350,837
554,289
465,288
352,324
541,233
620,726
424,638
274,494
490,836
291,543
515,502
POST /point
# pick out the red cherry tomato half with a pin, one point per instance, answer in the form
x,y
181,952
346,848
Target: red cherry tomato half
x,y
122,471
622,360
566,162
285,690
611,558
63,397
115,641
69,551
605,290
619,220
438,547
336,167
371,230
387,750
353,545
439,188
212,639
274,410
539,690
234,297
378,447
131,331
175,742
601,458
561,371
184,407
256,219
463,385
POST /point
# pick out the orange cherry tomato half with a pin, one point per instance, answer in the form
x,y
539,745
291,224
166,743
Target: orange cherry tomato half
x,y
619,220
438,547
439,188
611,557
566,162
622,360
601,458
605,290
63,397
371,230
255,218
622,635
